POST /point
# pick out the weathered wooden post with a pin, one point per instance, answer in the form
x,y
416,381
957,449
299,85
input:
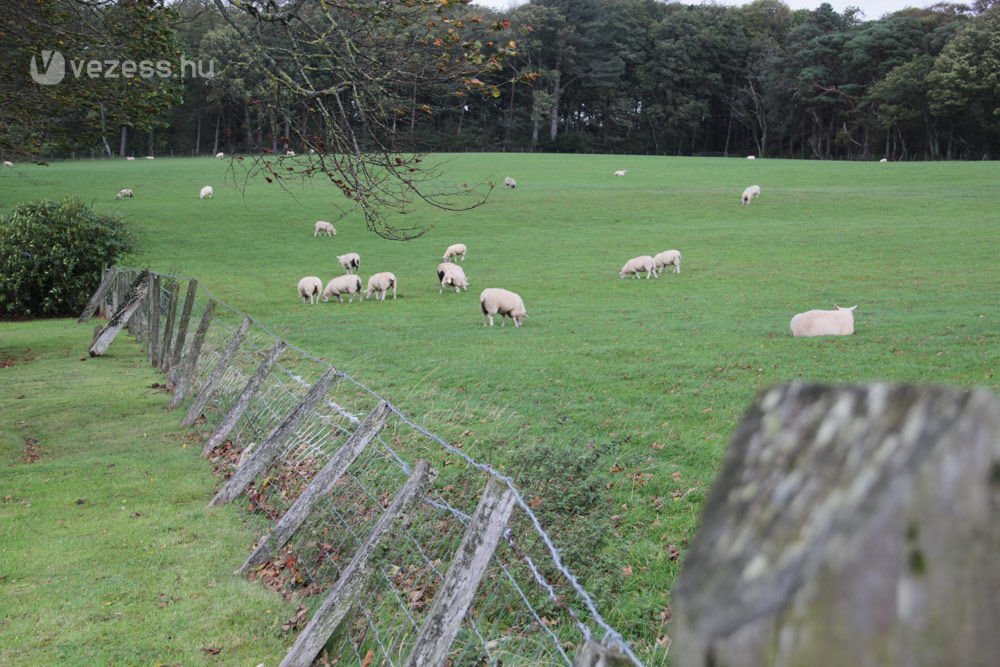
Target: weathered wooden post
x,y
182,329
221,366
186,374
137,296
269,448
347,591
851,525
106,281
153,334
163,353
243,401
453,598
320,485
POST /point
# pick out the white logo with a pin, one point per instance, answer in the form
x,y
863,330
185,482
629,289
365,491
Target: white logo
x,y
55,68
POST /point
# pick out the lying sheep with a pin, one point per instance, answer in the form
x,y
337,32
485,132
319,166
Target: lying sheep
x,y
380,283
346,284
207,192
124,193
751,157
220,155
454,251
150,157
498,301
452,275
637,265
621,172
323,227
883,160
839,322
667,258
130,158
310,288
509,183
351,262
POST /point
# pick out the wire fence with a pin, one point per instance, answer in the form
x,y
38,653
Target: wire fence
x,y
528,609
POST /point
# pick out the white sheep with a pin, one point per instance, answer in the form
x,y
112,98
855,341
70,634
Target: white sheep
x,y
754,191
751,157
124,193
746,197
207,192
637,265
130,158
452,275
290,153
350,261
346,284
379,284
150,157
883,160
621,172
509,183
454,251
8,164
310,288
323,227
839,322
220,155
498,301
667,258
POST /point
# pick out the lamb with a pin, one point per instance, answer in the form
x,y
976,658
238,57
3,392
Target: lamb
x,y
350,261
124,193
346,284
454,251
380,283
637,265
509,183
310,288
220,155
839,322
621,172
207,192
452,275
497,301
321,226
667,258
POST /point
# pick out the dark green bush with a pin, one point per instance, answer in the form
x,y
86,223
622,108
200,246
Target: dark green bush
x,y
51,254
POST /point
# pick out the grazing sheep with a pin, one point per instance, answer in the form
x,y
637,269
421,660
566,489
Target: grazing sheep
x,y
452,275
150,157
380,283
839,322
621,172
321,226
509,183
346,284
310,288
290,153
124,193
351,262
8,163
637,265
754,191
220,155
668,258
207,192
746,197
751,157
454,251
497,301
883,160
130,158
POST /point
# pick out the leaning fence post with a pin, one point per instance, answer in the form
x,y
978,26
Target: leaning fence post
x,y
186,374
466,570
153,334
182,328
137,296
207,389
347,590
269,449
320,486
98,296
241,404
163,352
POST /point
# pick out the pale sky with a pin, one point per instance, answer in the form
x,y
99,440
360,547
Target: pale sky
x,y
873,9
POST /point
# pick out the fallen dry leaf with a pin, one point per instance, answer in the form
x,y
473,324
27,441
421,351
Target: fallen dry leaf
x,y
369,657
211,650
627,571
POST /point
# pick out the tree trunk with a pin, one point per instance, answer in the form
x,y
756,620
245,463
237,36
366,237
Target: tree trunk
x,y
556,94
248,130
104,132
150,141
197,136
123,142
218,127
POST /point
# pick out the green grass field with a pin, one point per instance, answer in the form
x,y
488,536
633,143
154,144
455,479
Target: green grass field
x,y
635,385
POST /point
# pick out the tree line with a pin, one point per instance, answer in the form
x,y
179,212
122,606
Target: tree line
x,y
624,76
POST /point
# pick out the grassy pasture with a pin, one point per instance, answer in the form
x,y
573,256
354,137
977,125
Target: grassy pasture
x,y
627,388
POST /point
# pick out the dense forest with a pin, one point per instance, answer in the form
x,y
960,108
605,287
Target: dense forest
x,y
622,76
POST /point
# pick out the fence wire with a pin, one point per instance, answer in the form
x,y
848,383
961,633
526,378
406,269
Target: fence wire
x,y
528,610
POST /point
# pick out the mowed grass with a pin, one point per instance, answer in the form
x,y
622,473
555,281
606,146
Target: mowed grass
x,y
640,381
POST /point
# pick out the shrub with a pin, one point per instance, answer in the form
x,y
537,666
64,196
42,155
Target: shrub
x,y
51,255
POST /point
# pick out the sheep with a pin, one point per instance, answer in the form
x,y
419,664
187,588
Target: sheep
x,y
321,226
621,172
883,160
751,157
207,192
498,301
8,164
346,284
124,193
290,153
310,288
452,275
509,183
350,261
220,155
668,258
746,197
454,251
150,157
130,158
839,322
754,191
637,265
380,283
